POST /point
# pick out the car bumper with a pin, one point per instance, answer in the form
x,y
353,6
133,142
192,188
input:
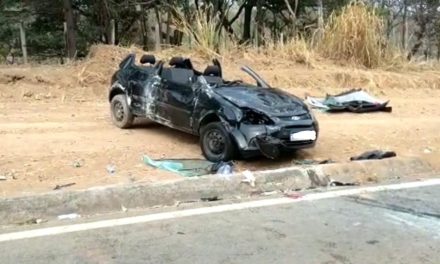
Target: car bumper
x,y
271,141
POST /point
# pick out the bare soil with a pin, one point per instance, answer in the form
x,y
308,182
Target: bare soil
x,y
55,125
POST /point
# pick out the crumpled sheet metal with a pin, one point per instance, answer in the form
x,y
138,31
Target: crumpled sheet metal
x,y
357,101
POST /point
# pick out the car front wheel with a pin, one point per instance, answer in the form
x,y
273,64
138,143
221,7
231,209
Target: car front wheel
x,y
216,143
121,114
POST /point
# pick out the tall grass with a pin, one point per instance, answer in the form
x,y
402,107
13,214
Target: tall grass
x,y
202,32
355,34
294,49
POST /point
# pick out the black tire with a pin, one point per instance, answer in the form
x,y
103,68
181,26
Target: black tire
x,y
216,143
121,114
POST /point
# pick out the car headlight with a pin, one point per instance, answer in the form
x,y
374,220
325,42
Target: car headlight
x,y
253,117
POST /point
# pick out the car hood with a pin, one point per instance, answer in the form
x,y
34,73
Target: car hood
x,y
270,101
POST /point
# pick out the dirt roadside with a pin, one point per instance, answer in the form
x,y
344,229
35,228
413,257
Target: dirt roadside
x,y
45,144
55,130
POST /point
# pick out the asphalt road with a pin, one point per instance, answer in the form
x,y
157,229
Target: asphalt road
x,y
400,226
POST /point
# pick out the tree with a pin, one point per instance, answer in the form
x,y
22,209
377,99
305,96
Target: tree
x,y
70,29
426,18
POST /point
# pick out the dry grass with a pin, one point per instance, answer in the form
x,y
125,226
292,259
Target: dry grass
x,y
89,79
202,33
279,63
296,49
102,62
355,35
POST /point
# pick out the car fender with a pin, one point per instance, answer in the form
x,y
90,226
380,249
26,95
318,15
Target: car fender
x,y
239,139
116,89
206,117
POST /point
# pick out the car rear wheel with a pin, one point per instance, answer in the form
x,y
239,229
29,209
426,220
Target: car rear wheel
x,y
216,143
121,114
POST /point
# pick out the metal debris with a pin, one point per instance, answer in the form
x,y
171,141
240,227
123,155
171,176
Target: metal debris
x,y
58,187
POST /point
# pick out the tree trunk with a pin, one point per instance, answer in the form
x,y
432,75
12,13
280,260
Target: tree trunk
x,y
420,34
70,29
293,14
247,22
158,29
23,43
320,14
404,25
144,28
112,32
259,21
438,49
320,31
168,29
104,20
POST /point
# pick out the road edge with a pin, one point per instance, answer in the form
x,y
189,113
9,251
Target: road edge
x,y
113,198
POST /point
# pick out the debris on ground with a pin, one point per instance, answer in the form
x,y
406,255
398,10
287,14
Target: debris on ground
x,y
249,178
183,167
338,183
32,221
78,163
28,94
111,169
427,150
210,199
356,101
8,176
293,195
312,162
191,167
58,187
68,216
223,169
269,193
375,155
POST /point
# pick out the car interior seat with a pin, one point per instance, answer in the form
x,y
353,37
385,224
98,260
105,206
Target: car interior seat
x,y
180,63
212,74
181,72
147,58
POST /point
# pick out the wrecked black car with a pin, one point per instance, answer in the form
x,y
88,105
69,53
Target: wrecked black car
x,y
231,117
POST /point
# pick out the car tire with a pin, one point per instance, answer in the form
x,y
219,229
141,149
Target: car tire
x,y
120,111
216,143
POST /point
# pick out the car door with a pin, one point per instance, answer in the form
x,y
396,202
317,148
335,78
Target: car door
x,y
176,98
138,77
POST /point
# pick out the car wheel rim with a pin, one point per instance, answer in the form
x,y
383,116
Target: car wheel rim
x,y
118,110
216,142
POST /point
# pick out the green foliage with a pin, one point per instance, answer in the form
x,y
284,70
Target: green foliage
x,y
43,20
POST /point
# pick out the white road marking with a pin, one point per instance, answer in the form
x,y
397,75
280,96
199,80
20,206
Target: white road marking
x,y
208,210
